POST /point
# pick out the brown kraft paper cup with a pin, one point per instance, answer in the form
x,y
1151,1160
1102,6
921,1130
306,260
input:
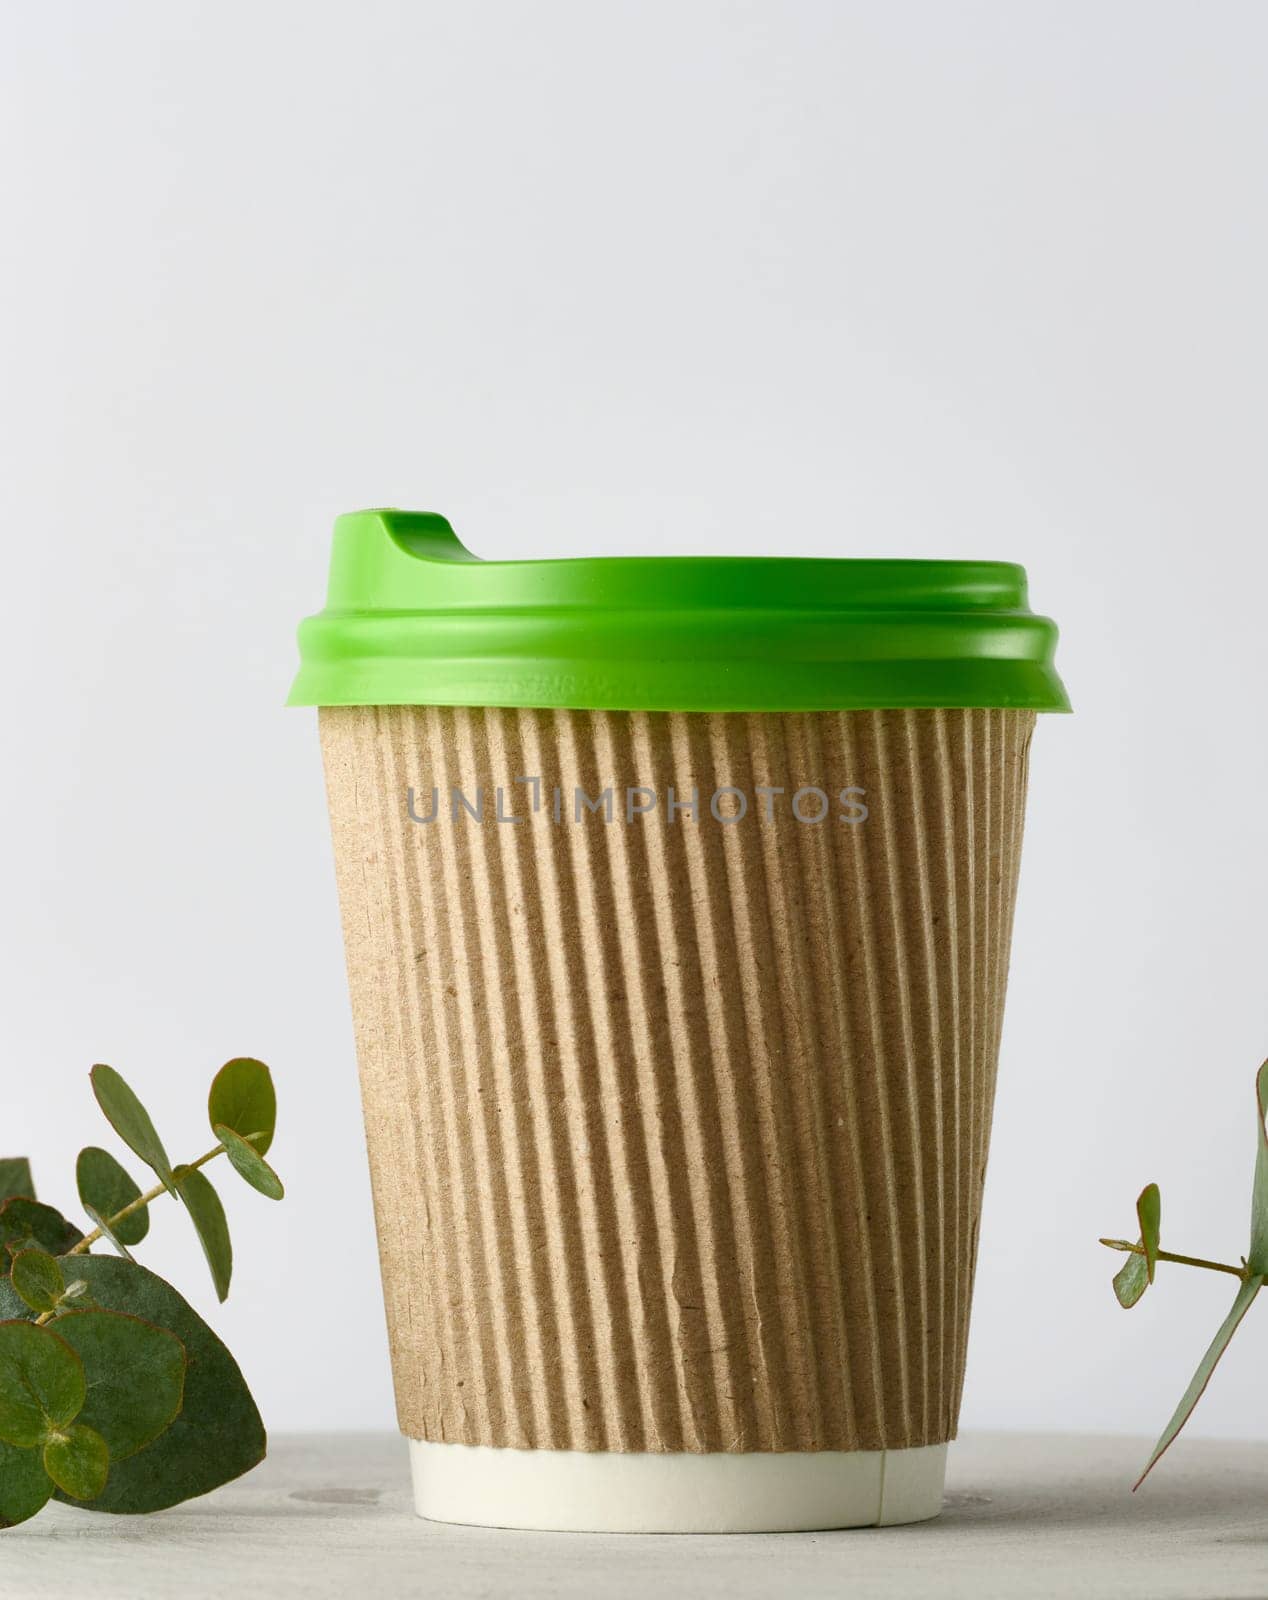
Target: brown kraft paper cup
x,y
677,1125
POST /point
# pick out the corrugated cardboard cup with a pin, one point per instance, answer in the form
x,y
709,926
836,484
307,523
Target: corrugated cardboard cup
x,y
677,897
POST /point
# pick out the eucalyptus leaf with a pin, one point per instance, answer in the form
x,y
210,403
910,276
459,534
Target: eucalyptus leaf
x,y
25,1487
1131,1280
75,1297
105,1188
1149,1215
217,1435
243,1098
1258,1257
208,1216
37,1277
42,1383
247,1164
135,1372
78,1461
25,1222
15,1178
1245,1296
131,1121
108,1233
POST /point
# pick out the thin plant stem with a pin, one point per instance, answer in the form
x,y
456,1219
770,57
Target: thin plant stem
x,y
91,1239
1169,1255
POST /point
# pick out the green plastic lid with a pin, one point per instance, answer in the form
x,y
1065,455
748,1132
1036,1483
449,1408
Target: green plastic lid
x,y
413,618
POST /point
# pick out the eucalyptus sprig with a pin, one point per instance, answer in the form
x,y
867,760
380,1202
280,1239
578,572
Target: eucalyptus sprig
x,y
114,1393
1137,1273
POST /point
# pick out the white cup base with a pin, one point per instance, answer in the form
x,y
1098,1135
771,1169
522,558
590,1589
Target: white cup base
x,y
609,1492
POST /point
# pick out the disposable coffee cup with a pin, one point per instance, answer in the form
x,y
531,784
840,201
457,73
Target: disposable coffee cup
x,y
677,896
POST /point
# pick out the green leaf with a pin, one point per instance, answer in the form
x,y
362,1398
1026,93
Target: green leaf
x,y
24,1485
1131,1280
248,1164
131,1121
106,1188
208,1215
1137,1272
1149,1215
1207,1365
78,1461
42,1383
218,1434
243,1098
108,1234
15,1178
24,1223
1258,1257
135,1372
37,1277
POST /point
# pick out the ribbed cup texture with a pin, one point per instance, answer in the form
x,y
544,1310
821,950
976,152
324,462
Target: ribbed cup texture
x,y
677,1127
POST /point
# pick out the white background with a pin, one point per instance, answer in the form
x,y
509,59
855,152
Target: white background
x,y
981,280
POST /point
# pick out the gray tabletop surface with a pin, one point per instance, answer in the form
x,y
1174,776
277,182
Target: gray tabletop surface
x,y
1026,1515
